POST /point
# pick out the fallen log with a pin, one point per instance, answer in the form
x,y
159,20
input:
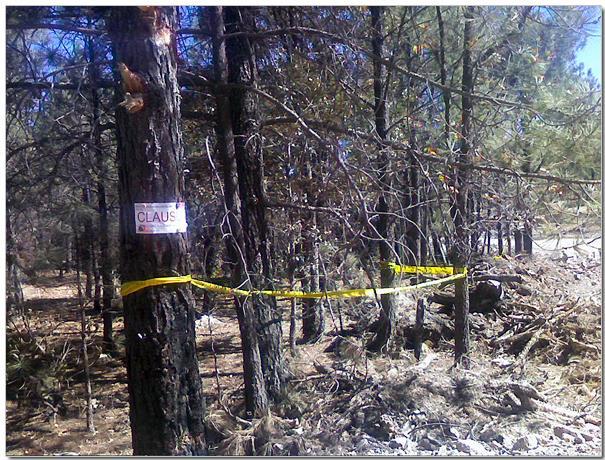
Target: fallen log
x,y
500,278
483,297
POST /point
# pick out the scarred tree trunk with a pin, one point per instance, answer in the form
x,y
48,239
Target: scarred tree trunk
x,y
255,393
241,58
388,311
165,389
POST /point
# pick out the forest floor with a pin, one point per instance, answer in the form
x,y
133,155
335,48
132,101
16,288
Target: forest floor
x,y
533,386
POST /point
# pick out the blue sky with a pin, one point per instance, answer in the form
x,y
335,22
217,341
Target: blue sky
x,y
591,55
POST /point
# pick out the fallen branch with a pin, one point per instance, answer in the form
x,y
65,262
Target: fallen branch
x,y
515,339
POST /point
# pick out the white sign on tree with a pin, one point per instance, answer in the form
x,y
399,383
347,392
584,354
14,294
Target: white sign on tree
x,y
154,218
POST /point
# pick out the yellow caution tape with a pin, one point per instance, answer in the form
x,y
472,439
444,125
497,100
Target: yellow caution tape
x,y
428,270
134,286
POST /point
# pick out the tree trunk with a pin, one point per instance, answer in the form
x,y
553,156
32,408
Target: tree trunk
x,y
424,237
527,238
86,245
437,248
255,392
313,323
104,255
509,245
90,426
518,241
477,224
443,78
388,311
241,58
418,328
461,250
487,242
98,286
413,214
399,234
166,403
471,221
293,265
15,290
68,252
292,280
500,238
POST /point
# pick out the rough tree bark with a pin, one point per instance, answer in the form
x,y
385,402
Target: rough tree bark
x,y
242,71
388,311
255,392
165,389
